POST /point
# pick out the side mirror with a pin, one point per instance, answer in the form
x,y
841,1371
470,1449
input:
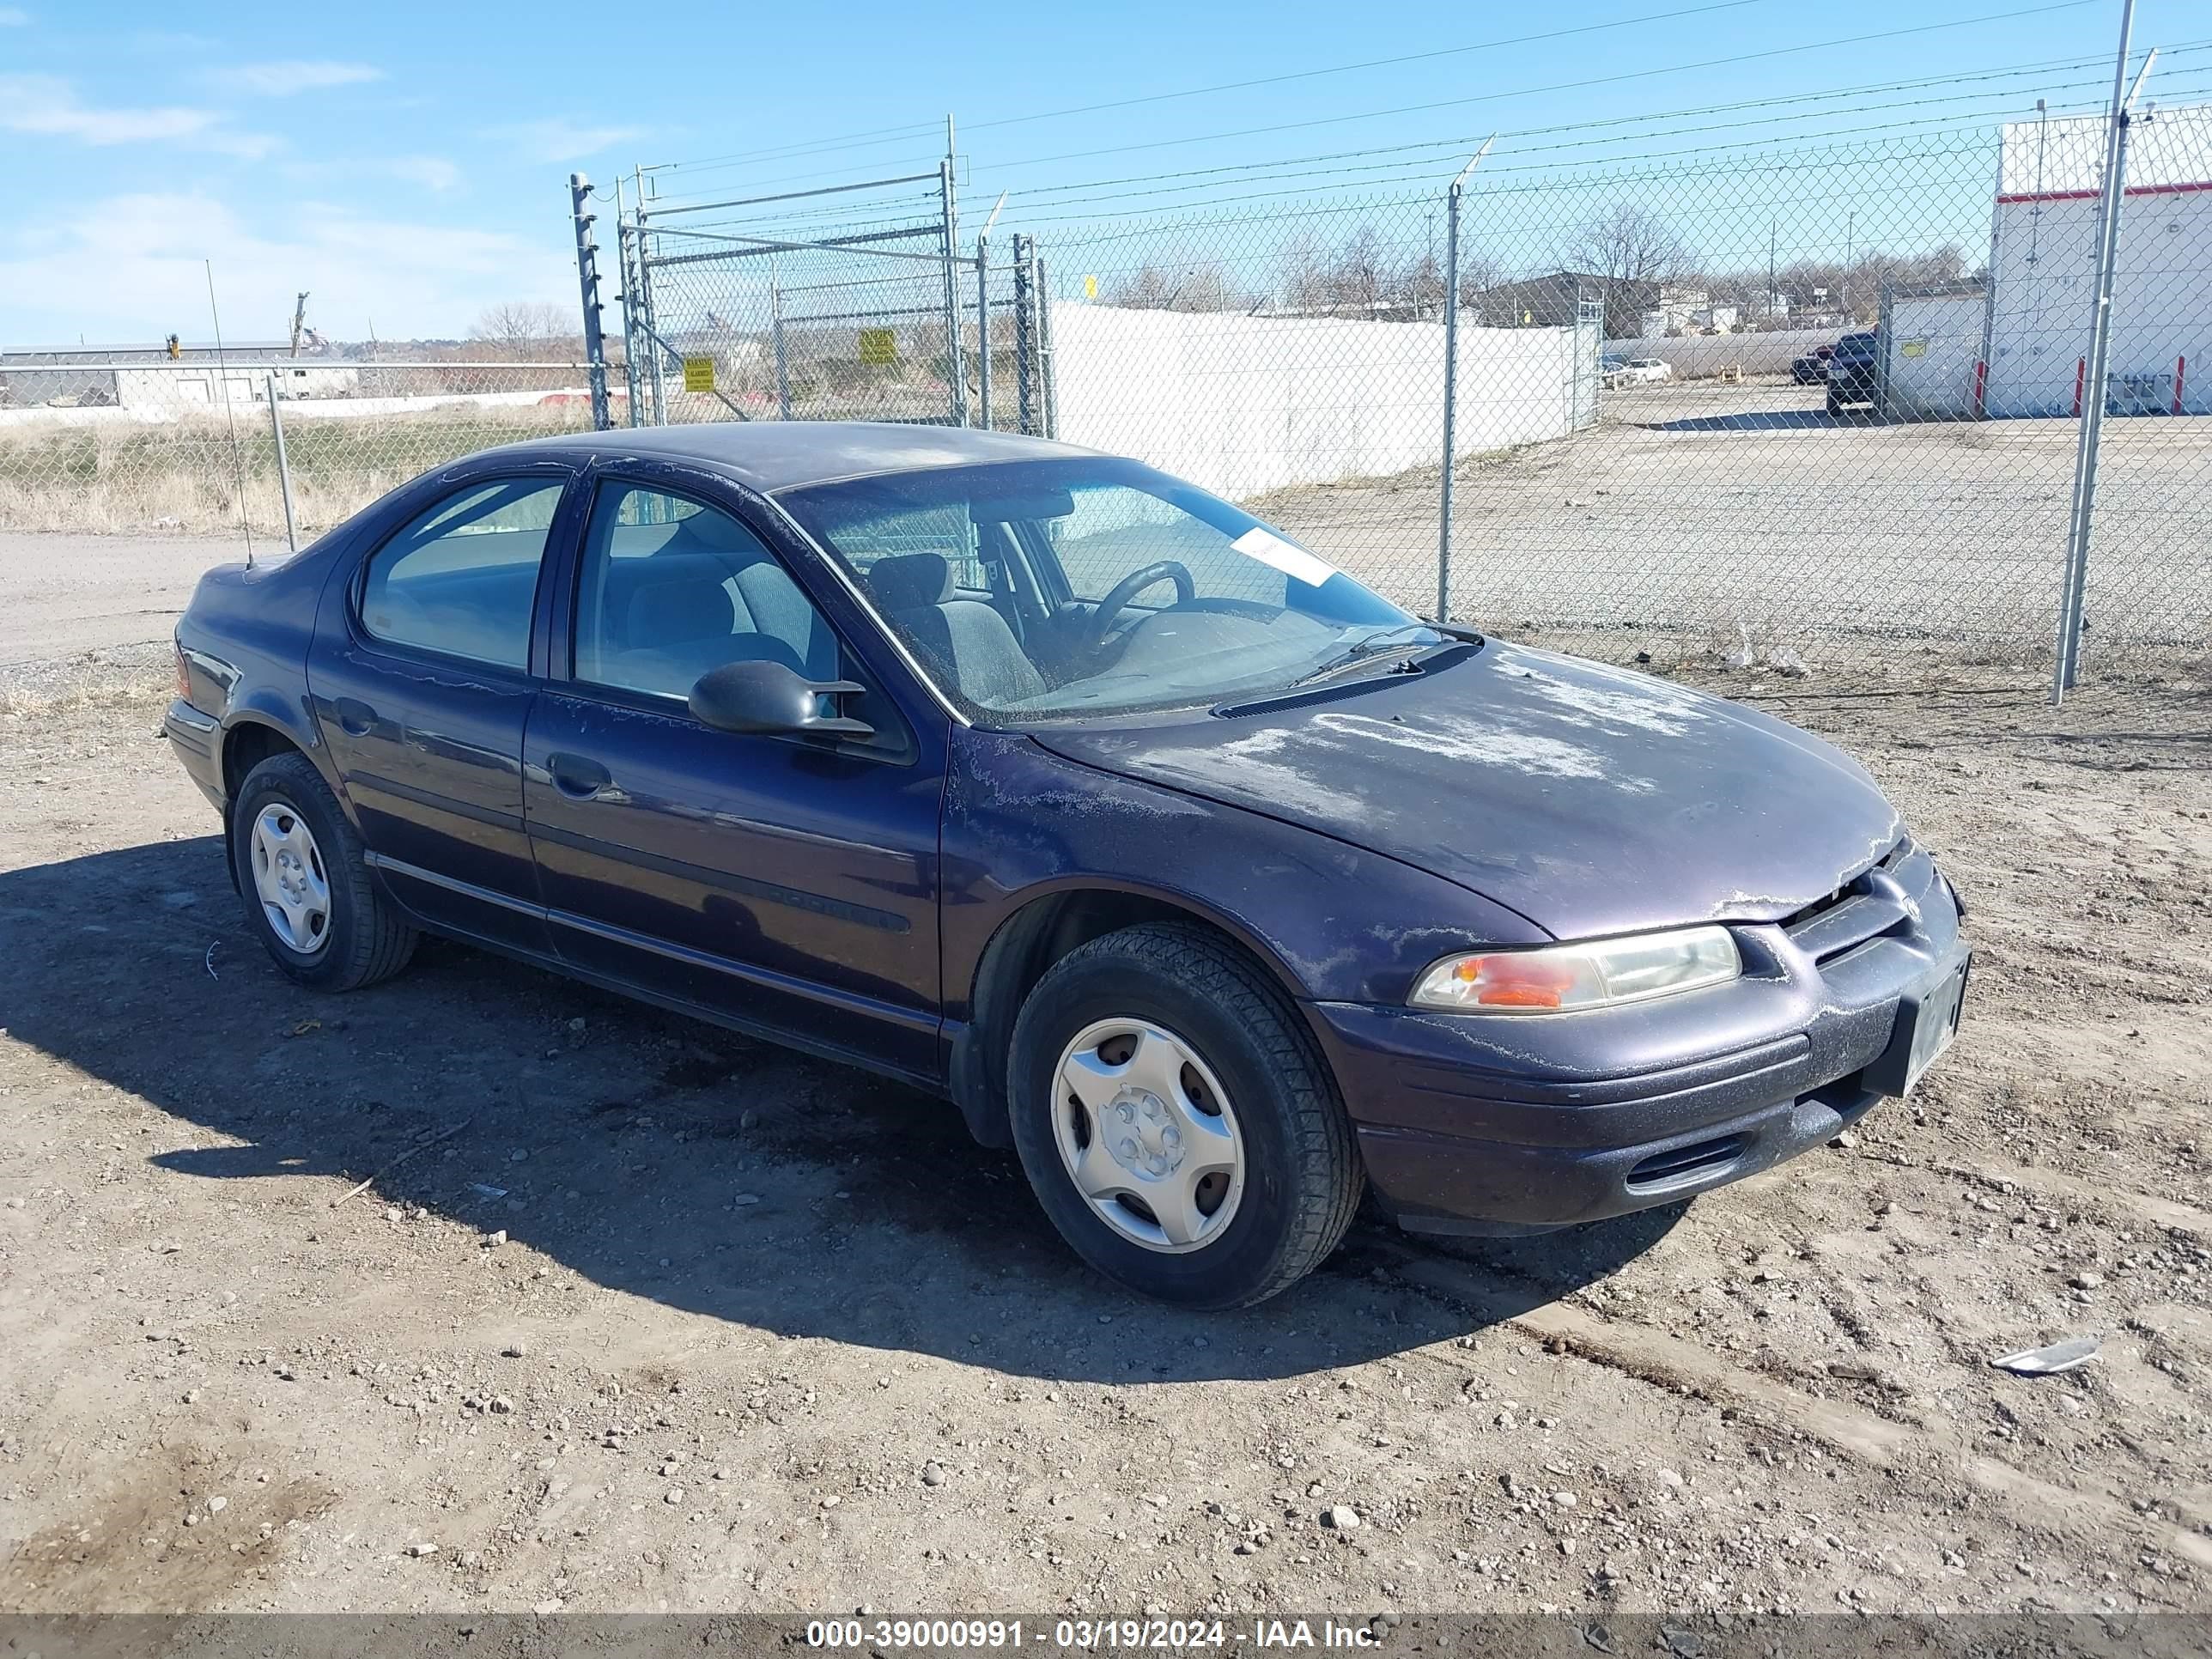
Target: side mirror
x,y
767,698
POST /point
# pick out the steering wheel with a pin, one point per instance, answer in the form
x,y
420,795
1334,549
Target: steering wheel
x,y
1160,570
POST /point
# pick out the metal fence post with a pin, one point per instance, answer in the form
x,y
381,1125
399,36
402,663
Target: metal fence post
x,y
1048,371
284,465
587,282
1885,342
1451,381
1025,340
2067,670
956,366
983,329
654,377
782,355
631,336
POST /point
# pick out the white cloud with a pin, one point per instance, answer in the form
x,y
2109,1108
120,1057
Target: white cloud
x,y
556,140
431,172
47,105
285,78
128,267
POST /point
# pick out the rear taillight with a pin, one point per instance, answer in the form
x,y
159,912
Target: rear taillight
x,y
184,674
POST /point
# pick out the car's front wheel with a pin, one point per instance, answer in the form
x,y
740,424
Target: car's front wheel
x,y
309,896
1177,1122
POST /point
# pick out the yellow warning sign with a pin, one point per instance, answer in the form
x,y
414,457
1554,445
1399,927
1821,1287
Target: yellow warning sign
x,y
879,346
698,373
1090,288
1913,349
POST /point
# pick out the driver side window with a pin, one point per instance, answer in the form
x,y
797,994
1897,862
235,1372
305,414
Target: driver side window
x,y
669,588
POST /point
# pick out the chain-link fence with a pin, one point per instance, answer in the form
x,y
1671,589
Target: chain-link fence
x,y
849,304
1822,400
192,446
1787,403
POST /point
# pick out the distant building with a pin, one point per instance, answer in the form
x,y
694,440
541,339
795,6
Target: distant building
x,y
2035,328
154,377
1552,302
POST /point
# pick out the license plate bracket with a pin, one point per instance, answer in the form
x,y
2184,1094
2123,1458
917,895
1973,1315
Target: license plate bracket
x,y
1927,1021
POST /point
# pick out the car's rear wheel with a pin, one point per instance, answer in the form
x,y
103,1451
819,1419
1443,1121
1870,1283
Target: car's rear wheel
x,y
309,896
1176,1120
1835,401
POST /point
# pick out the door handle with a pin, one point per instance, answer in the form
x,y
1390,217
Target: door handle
x,y
577,776
355,717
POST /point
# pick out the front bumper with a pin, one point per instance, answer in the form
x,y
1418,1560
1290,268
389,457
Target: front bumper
x,y
1505,1123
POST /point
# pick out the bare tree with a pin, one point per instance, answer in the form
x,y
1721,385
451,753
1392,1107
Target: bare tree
x,y
521,331
1626,244
1477,271
1200,285
1360,279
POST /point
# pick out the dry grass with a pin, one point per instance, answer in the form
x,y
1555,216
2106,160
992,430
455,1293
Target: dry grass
x,y
117,479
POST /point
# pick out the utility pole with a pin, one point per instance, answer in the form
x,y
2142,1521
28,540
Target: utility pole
x,y
956,370
1850,224
1770,225
299,320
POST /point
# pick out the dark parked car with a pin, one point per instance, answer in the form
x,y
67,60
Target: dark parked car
x,y
1211,881
1855,371
1811,368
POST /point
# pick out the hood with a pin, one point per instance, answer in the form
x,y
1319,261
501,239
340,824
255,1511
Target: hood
x,y
1592,799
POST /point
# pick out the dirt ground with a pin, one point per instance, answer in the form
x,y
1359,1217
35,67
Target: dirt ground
x,y
635,1316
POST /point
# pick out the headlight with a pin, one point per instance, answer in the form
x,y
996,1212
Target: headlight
x,y
1561,978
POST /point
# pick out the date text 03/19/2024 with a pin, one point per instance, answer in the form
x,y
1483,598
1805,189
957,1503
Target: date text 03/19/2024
x,y
1083,1635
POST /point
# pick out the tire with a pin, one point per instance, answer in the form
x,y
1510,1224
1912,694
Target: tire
x,y
342,933
1835,403
1291,1178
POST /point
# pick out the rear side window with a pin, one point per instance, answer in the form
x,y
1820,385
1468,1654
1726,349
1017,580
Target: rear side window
x,y
461,578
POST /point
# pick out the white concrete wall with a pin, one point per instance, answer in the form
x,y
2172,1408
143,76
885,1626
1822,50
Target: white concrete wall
x,y
1241,405
335,409
137,388
1935,343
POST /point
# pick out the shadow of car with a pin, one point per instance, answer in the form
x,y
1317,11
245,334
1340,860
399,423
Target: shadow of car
x,y
662,1160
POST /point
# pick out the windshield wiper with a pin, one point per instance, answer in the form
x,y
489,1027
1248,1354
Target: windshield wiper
x,y
1365,651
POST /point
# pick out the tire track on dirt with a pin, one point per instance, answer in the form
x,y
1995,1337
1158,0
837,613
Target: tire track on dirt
x,y
1666,1361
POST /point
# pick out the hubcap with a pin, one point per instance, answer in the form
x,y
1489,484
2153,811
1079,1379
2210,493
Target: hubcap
x,y
289,880
1146,1133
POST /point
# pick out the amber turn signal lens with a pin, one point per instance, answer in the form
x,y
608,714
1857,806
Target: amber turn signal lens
x,y
1597,974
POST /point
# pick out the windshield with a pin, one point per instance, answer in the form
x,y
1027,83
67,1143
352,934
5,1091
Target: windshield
x,y
1040,590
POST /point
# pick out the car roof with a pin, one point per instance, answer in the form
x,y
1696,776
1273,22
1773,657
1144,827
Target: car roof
x,y
773,455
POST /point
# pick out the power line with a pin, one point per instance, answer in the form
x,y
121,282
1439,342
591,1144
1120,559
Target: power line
x,y
1263,170
862,139
1563,86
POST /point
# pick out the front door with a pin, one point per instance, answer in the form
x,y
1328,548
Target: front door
x,y
422,694
787,885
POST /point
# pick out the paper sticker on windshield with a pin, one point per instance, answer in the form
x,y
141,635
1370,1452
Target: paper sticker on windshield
x,y
1264,545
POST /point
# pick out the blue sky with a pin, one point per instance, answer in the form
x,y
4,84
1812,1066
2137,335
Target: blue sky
x,y
408,162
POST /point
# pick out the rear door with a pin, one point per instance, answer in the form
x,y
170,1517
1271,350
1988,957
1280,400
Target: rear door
x,y
424,667
784,885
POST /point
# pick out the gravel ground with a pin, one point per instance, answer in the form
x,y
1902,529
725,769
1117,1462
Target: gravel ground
x,y
1718,510
634,1315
